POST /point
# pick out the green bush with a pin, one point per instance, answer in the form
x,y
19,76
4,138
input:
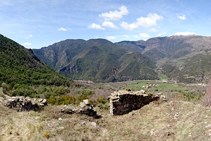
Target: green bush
x,y
102,100
24,91
103,106
87,92
61,90
4,86
82,97
62,100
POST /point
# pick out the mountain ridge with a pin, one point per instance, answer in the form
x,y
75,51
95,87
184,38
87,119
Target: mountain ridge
x,y
98,60
177,52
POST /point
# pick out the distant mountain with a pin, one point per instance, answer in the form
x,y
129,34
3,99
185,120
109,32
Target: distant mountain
x,y
98,60
131,45
176,56
19,67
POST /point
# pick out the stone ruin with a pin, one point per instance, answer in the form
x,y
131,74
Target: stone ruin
x,y
20,103
124,101
84,109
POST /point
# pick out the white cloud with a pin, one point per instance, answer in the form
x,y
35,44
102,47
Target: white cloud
x,y
148,21
111,37
95,26
115,15
62,29
129,26
144,35
109,24
26,44
126,36
184,34
30,36
161,34
145,22
153,30
182,17
136,36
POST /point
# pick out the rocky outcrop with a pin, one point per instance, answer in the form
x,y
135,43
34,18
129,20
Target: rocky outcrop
x,y
123,101
20,103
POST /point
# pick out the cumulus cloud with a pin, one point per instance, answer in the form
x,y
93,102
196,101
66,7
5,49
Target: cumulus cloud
x,y
127,26
26,44
111,37
184,34
153,29
144,35
115,15
109,24
149,21
95,26
182,17
62,29
161,34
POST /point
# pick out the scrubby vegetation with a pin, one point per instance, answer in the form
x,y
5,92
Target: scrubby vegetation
x,y
60,99
21,72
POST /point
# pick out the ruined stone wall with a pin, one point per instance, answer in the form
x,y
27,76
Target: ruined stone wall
x,y
122,102
20,103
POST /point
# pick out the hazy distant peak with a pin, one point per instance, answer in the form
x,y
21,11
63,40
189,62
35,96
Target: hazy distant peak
x,y
185,34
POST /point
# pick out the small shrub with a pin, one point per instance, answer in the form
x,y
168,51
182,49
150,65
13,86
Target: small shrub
x,y
47,95
189,96
91,102
62,100
4,86
46,135
100,87
40,128
103,106
102,100
87,92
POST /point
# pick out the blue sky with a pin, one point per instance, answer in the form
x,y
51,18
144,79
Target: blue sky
x,y
39,23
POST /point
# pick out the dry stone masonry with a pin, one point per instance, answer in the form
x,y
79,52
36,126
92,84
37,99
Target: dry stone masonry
x,y
85,109
20,103
124,101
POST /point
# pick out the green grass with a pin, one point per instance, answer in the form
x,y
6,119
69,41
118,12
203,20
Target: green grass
x,y
161,86
163,77
174,87
138,85
164,59
179,63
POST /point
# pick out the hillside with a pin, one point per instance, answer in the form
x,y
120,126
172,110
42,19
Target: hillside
x,y
20,69
176,56
98,60
177,120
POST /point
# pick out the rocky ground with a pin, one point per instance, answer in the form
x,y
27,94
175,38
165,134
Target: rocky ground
x,y
175,120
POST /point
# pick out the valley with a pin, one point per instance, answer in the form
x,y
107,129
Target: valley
x,y
71,71
105,70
